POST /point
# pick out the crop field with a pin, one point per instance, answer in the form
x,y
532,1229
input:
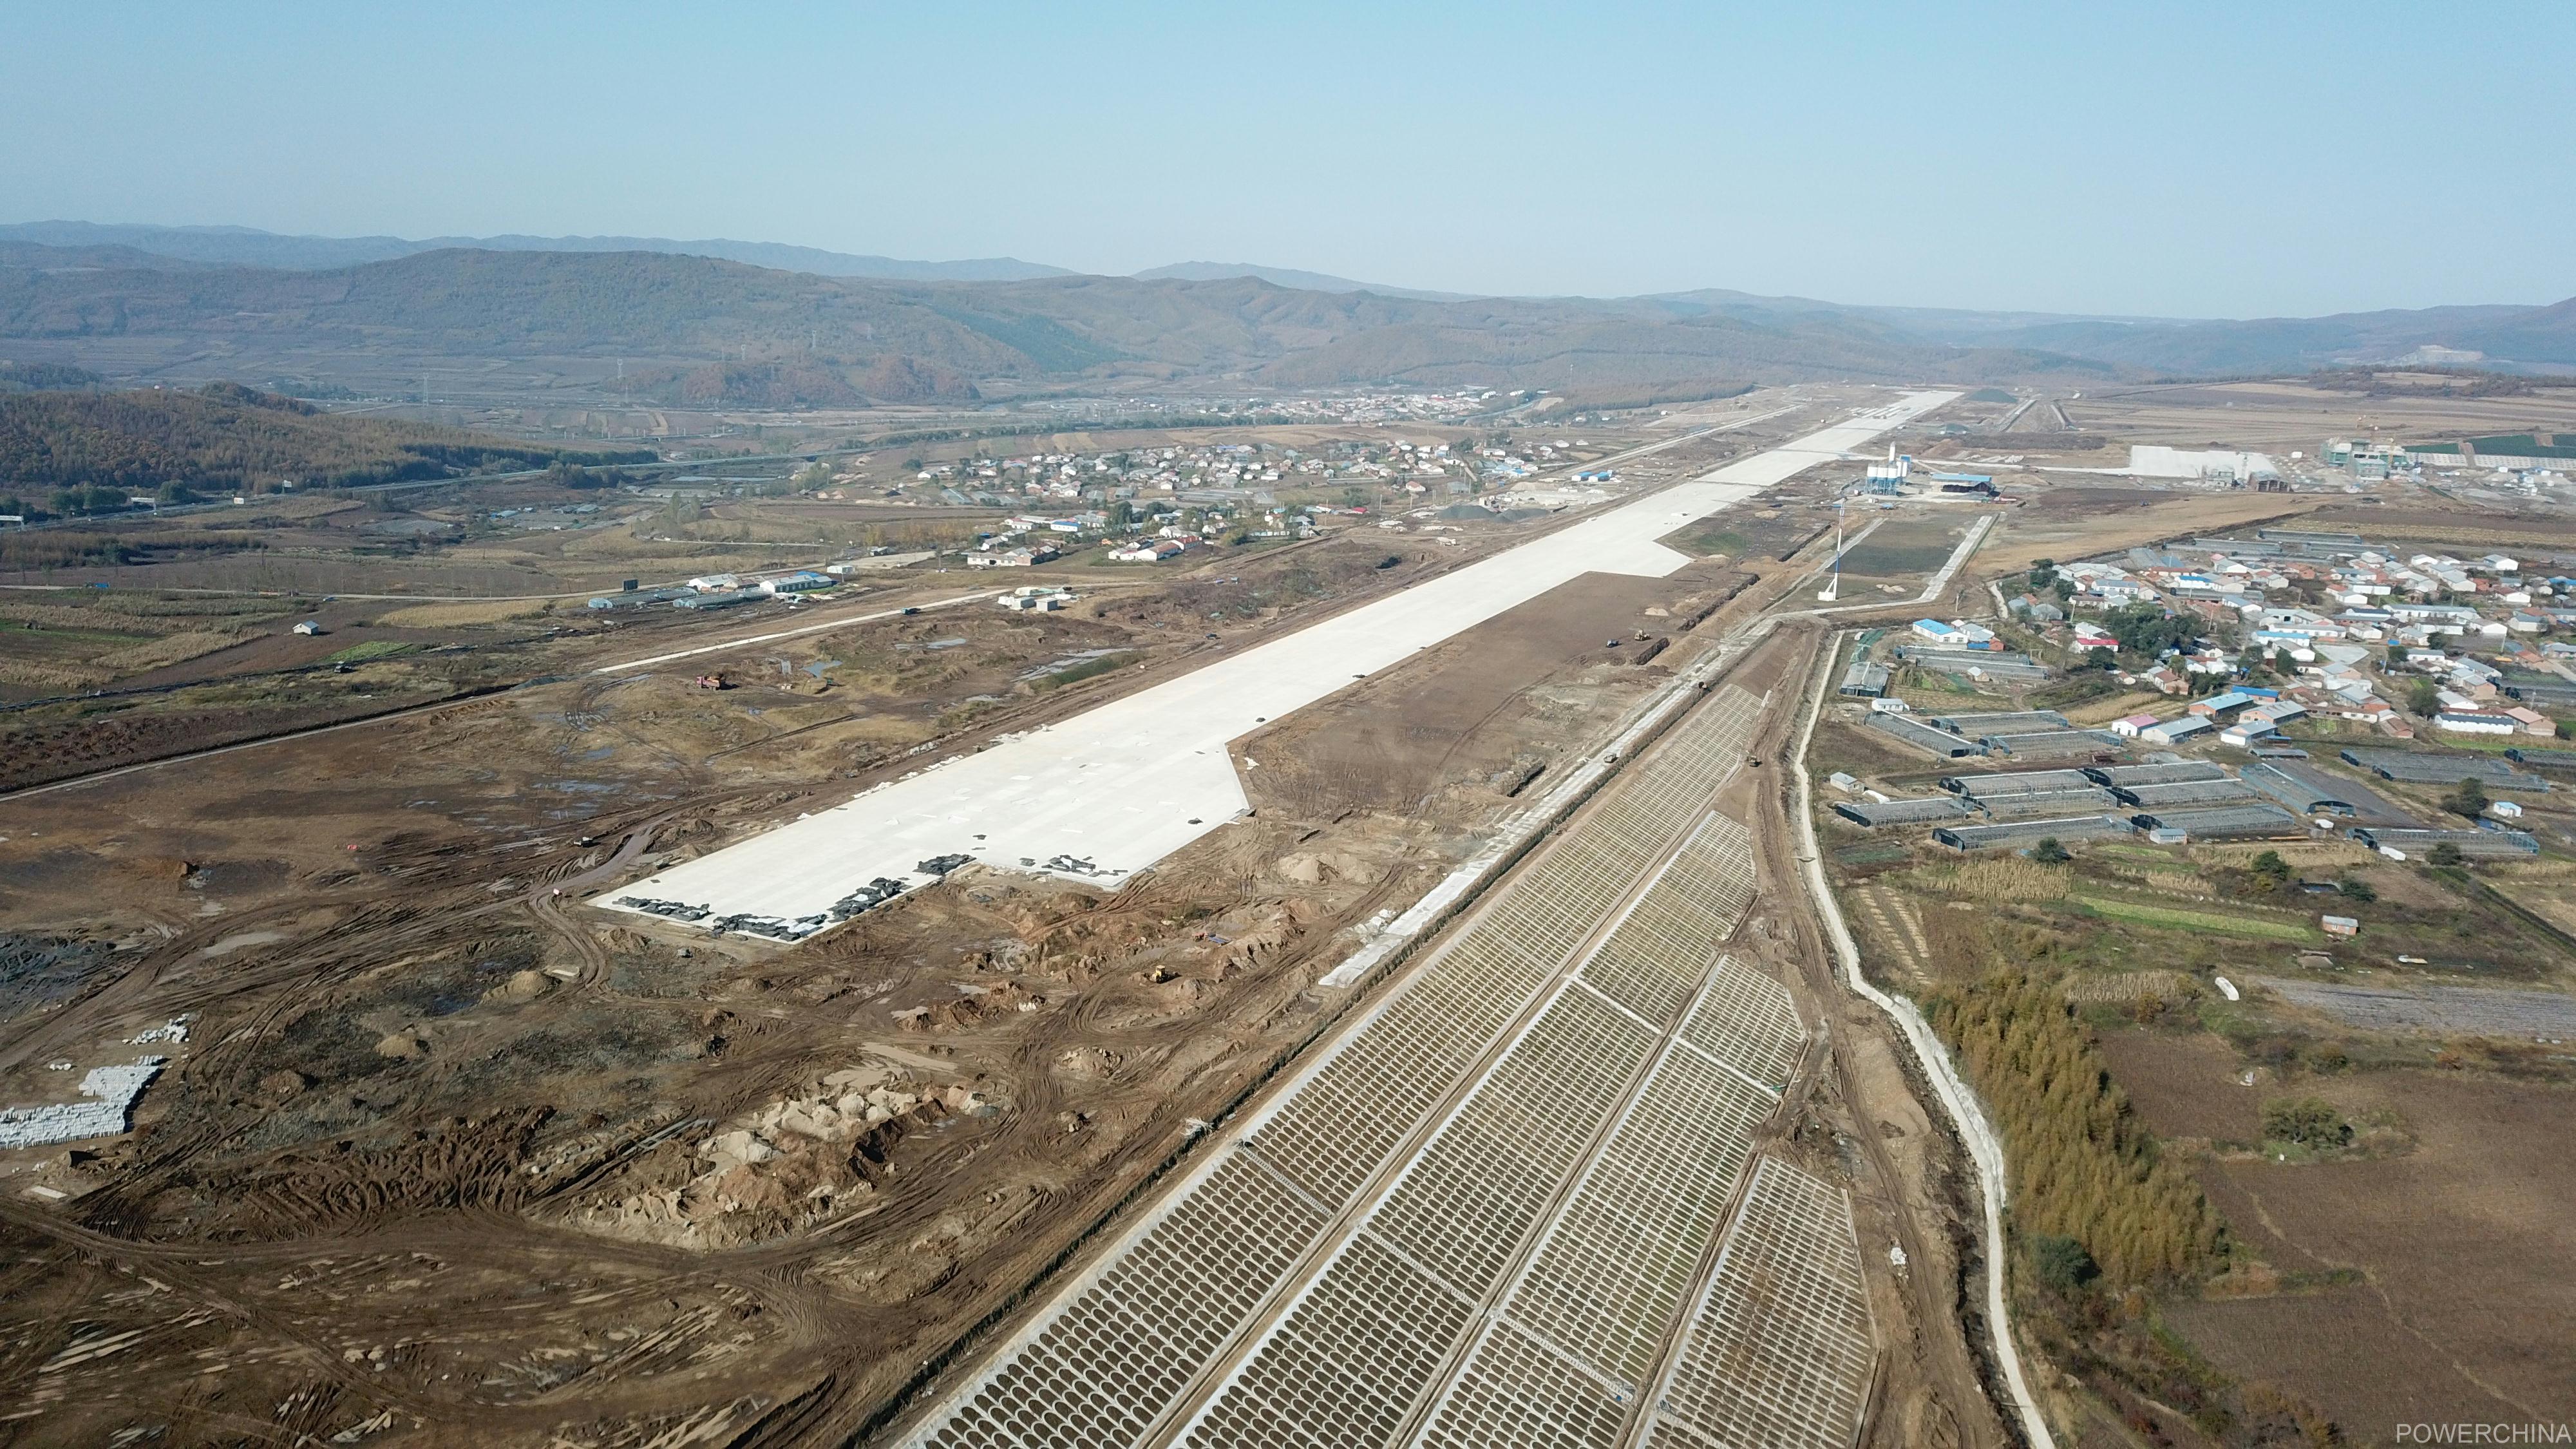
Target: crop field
x,y
2406,1281
2174,919
1904,549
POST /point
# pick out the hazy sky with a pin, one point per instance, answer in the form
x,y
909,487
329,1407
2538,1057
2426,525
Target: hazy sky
x,y
2181,159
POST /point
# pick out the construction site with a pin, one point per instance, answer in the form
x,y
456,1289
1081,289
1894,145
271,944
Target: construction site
x,y
1389,986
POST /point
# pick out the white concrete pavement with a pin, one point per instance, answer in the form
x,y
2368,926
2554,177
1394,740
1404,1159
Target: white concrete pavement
x,y
1113,790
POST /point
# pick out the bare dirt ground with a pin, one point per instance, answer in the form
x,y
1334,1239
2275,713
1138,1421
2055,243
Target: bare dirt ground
x,y
446,1153
2078,521
2284,414
2413,1288
1864,1122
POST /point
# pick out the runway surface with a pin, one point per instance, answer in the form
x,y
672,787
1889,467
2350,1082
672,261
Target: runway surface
x,y
1113,790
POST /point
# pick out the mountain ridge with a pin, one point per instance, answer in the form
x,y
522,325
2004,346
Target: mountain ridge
x,y
900,339
249,246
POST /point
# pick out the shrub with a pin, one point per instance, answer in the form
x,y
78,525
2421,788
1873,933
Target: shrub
x,y
2305,1122
2062,1263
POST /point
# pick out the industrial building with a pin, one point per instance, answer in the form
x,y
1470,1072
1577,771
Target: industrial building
x,y
2057,744
1870,814
2222,822
2185,792
2411,767
1997,724
2046,802
2312,791
1864,680
2031,832
2175,731
2475,844
2015,782
1915,734
2162,772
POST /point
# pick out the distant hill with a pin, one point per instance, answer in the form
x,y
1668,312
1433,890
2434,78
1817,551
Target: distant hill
x,y
1284,277
230,436
899,340
2508,335
791,339
247,247
14,253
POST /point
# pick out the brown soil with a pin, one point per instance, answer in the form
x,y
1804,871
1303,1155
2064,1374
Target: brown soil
x,y
2415,1290
1863,1116
443,1146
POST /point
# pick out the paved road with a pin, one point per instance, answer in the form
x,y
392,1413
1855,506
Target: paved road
x,y
839,621
1113,790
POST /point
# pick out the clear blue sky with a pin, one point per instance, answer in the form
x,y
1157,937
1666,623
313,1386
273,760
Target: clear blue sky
x,y
2179,159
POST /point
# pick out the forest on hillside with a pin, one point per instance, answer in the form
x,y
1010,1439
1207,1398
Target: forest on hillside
x,y
230,437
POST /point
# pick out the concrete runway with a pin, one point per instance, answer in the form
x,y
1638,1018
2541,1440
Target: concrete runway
x,y
1115,789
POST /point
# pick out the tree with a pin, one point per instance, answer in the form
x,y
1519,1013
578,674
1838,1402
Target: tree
x,y
2469,799
2272,867
2424,698
2147,630
2358,891
2445,854
2050,852
2100,657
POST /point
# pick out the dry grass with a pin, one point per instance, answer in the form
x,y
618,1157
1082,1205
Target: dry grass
x,y
2117,706
2059,530
136,658
57,674
2007,879
56,616
2300,854
2120,988
2535,872
449,616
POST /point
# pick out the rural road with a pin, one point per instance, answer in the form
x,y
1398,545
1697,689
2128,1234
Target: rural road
x,y
1951,1091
